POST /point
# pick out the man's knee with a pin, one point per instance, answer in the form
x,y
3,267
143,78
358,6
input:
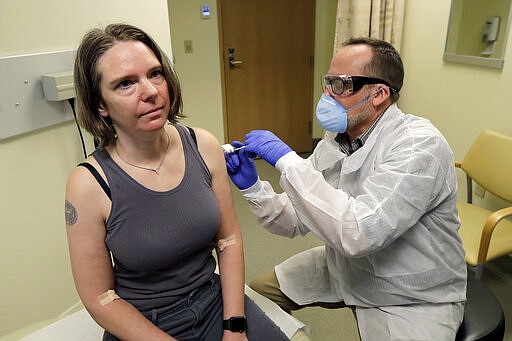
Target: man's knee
x,y
266,284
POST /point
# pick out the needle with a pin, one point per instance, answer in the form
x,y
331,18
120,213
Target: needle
x,y
228,148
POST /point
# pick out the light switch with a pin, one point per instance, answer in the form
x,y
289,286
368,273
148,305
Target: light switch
x,y
188,46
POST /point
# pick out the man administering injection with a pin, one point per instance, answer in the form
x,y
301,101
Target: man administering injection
x,y
379,190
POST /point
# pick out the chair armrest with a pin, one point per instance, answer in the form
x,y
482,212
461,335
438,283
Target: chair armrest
x,y
489,226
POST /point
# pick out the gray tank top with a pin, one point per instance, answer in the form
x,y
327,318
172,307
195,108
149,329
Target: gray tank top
x,y
161,242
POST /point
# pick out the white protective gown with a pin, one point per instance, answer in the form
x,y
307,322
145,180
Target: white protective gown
x,y
387,215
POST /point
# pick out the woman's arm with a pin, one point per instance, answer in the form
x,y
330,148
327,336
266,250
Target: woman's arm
x,y
87,208
231,258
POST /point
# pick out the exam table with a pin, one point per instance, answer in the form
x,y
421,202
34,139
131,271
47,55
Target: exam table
x,y
79,326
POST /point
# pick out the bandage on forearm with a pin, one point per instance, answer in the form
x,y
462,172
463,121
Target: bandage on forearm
x,y
108,297
223,243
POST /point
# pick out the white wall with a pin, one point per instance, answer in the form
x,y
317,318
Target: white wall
x,y
34,265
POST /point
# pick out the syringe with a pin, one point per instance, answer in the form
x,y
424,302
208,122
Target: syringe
x,y
228,148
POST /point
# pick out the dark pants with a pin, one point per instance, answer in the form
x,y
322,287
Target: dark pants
x,y
198,317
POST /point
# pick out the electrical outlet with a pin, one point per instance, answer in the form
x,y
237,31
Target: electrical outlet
x,y
479,191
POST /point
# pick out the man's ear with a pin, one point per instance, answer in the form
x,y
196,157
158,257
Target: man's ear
x,y
381,95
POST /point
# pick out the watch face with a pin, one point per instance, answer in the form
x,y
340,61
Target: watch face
x,y
238,324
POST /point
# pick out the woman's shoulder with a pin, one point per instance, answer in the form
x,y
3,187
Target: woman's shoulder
x,y
206,140
81,178
204,134
209,148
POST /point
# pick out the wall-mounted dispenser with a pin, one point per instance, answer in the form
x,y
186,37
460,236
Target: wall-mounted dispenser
x,y
490,34
491,28
58,86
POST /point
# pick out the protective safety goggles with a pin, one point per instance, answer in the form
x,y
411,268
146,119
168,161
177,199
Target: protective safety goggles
x,y
343,85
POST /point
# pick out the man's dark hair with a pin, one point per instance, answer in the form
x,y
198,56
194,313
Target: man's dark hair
x,y
385,63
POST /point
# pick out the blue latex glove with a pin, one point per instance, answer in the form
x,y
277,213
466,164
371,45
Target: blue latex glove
x,y
241,167
266,145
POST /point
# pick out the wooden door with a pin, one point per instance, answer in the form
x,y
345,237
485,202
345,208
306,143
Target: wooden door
x,y
270,84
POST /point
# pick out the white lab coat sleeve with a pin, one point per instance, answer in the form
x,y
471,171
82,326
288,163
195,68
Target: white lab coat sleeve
x,y
399,190
274,211
318,204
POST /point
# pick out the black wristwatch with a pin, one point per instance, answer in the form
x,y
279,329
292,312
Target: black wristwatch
x,y
235,324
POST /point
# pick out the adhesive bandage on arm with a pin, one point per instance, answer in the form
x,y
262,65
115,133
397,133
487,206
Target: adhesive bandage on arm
x,y
223,243
107,297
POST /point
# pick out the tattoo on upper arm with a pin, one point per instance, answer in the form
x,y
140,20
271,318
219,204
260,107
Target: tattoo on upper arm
x,y
71,214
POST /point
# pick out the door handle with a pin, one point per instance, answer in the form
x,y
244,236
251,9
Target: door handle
x,y
232,61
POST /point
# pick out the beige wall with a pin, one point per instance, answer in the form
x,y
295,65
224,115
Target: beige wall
x,y
468,19
449,94
199,71
459,99
36,283
325,24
